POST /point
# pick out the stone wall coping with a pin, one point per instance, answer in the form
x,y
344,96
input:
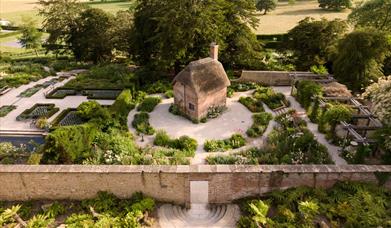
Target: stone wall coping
x,y
273,71
194,168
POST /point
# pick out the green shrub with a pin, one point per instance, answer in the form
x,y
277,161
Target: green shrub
x,y
306,90
141,123
122,106
169,93
260,123
69,145
92,110
222,160
159,86
235,141
272,99
149,104
183,143
252,104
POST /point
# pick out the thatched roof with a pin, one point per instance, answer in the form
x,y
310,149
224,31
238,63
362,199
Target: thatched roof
x,y
205,76
335,89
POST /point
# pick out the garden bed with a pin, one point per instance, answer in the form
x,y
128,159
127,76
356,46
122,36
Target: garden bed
x,y
346,204
60,93
260,123
5,109
272,99
105,210
67,117
104,94
187,145
234,142
289,143
38,111
31,91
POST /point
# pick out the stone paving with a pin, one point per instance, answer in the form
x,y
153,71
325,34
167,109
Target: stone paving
x,y
9,122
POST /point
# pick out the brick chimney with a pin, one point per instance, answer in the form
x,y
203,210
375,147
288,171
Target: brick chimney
x,y
214,51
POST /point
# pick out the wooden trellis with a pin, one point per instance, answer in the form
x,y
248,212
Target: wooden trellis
x,y
363,112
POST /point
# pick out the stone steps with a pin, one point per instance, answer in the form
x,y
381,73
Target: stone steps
x,y
200,216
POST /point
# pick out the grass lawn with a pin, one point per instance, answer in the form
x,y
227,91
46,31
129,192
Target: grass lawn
x,y
15,10
286,16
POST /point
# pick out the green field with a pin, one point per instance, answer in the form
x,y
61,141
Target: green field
x,y
15,10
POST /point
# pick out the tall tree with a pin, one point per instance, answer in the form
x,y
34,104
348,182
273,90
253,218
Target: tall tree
x,y
372,13
311,41
359,58
171,33
58,18
91,36
122,28
31,37
266,5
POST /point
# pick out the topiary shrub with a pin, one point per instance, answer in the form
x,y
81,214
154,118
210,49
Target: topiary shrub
x,y
148,104
141,123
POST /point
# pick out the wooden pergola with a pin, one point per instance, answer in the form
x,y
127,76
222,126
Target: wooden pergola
x,y
359,132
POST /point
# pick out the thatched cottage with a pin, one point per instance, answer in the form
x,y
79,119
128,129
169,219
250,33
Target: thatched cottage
x,y
201,85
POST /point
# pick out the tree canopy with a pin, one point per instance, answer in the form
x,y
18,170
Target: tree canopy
x,y
91,35
372,13
311,41
266,5
31,37
336,5
359,58
170,33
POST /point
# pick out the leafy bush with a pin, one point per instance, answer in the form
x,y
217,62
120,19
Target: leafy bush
x,y
141,123
122,106
183,143
252,104
260,123
272,99
149,104
334,114
346,204
70,144
222,160
235,141
159,86
92,110
169,93
306,90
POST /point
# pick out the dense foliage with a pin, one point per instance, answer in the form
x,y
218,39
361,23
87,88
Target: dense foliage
x,y
266,5
272,99
15,74
307,91
170,33
31,37
346,204
372,13
233,142
290,143
311,41
141,123
252,104
359,58
148,104
260,123
379,94
336,5
183,143
106,210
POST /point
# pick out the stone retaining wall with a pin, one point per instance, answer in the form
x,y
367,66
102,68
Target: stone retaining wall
x,y
171,183
270,78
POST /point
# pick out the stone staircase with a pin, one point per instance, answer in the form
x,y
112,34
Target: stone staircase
x,y
200,216
280,111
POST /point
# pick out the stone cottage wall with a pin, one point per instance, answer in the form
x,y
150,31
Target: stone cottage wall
x,y
171,183
216,99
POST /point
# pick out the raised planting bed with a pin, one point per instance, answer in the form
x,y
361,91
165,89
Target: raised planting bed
x,y
38,111
272,99
234,142
260,123
105,94
4,90
5,109
60,93
31,91
67,117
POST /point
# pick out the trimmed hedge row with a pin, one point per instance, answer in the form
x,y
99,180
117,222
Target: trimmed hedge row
x,y
26,114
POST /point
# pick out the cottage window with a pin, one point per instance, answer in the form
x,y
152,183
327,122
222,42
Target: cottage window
x,y
191,106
